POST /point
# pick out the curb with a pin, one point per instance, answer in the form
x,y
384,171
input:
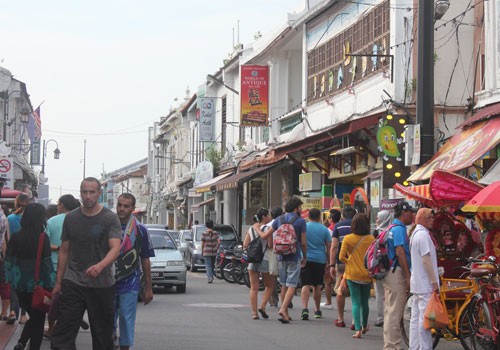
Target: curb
x,y
6,333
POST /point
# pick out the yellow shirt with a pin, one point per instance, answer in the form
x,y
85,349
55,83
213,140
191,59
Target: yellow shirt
x,y
354,258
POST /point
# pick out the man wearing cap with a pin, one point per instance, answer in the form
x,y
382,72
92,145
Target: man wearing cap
x,y
397,281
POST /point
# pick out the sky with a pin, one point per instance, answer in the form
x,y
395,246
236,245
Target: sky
x,y
105,71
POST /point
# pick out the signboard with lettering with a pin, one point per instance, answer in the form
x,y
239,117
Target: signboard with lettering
x,y
254,95
207,119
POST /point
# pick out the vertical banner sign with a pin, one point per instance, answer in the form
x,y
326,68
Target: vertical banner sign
x,y
254,95
35,152
416,145
207,119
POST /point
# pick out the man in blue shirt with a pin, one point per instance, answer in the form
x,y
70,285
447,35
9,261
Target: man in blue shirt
x,y
289,265
129,282
397,281
337,268
318,249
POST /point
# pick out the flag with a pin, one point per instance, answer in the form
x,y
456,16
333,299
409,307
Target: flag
x,y
38,123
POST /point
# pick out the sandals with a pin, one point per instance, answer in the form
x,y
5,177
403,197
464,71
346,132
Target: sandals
x,y
339,323
263,313
11,320
255,317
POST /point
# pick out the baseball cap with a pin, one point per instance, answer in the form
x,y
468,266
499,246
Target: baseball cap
x,y
402,206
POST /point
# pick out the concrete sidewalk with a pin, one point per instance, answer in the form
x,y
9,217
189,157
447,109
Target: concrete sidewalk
x,y
6,333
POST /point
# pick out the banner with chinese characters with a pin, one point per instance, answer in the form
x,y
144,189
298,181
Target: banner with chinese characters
x,y
254,95
207,119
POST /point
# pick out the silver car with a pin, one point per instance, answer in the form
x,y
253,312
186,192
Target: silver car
x,y
167,267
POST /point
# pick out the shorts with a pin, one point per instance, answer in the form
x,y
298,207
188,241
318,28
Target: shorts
x,y
289,273
263,266
312,274
126,307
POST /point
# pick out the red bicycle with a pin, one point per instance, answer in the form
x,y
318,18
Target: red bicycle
x,y
484,307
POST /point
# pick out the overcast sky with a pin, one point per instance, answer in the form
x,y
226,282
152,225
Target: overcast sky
x,y
106,70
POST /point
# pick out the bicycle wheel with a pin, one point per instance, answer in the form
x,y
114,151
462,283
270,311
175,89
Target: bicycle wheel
x,y
405,324
464,329
481,333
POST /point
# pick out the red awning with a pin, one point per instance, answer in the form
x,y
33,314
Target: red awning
x,y
462,150
8,193
481,114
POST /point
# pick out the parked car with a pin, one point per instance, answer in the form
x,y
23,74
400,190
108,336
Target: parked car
x,y
194,258
175,235
183,243
167,267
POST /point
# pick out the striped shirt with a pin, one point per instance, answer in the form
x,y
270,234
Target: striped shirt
x,y
211,243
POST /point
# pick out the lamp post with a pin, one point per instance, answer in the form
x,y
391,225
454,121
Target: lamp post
x,y
6,97
425,74
57,152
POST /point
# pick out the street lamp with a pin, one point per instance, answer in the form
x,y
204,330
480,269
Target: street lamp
x,y
57,153
213,79
425,74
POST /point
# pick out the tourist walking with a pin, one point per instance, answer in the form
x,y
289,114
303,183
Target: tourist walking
x,y
335,216
352,253
20,264
383,221
397,281
424,277
90,244
255,269
318,244
209,248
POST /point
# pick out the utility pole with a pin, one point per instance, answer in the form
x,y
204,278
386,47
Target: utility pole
x,y
425,78
84,155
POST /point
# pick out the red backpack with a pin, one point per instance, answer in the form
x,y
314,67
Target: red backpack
x,y
377,260
285,238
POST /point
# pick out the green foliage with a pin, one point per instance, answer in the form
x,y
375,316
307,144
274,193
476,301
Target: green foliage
x,y
214,155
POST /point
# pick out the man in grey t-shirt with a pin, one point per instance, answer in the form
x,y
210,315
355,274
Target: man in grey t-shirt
x,y
85,277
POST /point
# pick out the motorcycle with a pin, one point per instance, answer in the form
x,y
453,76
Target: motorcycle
x,y
226,265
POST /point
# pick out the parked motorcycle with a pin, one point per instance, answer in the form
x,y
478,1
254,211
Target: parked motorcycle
x,y
226,265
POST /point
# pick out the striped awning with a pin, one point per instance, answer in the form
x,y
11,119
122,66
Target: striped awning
x,y
419,193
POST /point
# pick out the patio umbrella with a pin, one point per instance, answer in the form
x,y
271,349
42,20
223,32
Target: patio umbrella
x,y
485,201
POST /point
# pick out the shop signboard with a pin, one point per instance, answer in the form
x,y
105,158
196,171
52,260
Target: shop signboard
x,y
254,95
207,119
310,182
375,192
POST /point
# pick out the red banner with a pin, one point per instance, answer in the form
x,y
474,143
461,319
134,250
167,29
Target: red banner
x,y
254,95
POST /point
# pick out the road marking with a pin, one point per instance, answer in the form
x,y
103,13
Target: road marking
x,y
219,306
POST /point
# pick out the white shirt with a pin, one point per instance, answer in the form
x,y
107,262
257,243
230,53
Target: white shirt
x,y
421,244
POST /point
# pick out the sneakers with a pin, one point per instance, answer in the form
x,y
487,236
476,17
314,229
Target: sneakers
x,y
318,314
305,314
339,323
326,306
210,280
19,346
379,323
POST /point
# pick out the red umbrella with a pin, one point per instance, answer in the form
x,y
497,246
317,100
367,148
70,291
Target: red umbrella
x,y
485,201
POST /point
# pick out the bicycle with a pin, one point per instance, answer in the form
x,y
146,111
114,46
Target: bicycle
x,y
484,308
456,294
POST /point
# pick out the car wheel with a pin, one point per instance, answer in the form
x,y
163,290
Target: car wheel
x,y
193,268
181,288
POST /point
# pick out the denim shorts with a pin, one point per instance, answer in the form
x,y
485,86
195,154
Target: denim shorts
x,y
289,273
263,266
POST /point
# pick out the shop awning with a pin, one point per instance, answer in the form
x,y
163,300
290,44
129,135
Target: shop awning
x,y
462,150
419,193
207,186
199,205
492,175
481,114
233,181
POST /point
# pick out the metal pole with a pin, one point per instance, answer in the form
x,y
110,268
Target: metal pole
x,y
425,78
44,153
5,113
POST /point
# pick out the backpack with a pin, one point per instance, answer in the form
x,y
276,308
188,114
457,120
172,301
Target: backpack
x,y
255,250
127,262
285,238
376,259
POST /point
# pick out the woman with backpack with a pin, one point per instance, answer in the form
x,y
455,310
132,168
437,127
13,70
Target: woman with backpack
x,y
352,253
261,219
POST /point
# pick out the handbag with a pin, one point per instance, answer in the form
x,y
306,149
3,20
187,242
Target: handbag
x,y
255,250
42,298
435,315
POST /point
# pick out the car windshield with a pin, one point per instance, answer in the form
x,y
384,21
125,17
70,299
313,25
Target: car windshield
x,y
174,234
199,232
162,242
226,234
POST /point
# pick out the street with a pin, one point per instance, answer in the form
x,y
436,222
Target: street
x,y
217,317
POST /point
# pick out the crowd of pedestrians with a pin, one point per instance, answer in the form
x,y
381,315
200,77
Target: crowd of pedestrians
x,y
334,251
80,245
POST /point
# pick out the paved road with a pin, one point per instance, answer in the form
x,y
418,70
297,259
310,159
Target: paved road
x,y
217,317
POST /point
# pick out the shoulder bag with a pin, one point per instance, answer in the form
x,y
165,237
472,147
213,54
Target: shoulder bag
x,y
42,298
